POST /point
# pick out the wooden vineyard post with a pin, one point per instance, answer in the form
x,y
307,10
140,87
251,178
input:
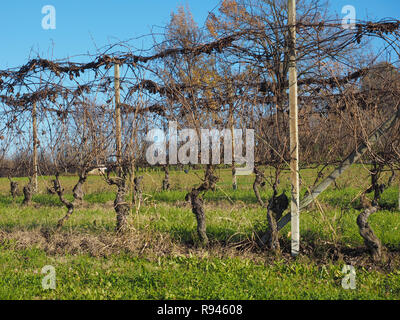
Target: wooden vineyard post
x,y
35,143
117,117
234,179
399,196
294,138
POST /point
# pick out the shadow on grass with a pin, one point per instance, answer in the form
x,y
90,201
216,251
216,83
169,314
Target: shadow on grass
x,y
188,236
245,196
42,199
350,198
100,197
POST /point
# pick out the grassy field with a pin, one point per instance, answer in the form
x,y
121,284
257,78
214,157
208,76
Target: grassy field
x,y
160,258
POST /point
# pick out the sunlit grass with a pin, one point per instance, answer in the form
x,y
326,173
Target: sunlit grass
x,y
189,272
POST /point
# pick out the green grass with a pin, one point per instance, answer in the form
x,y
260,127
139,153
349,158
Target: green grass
x,y
127,277
180,269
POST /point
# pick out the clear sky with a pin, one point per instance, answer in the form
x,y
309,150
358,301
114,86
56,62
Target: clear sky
x,y
83,25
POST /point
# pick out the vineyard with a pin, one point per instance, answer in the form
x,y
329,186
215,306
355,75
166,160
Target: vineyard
x,y
78,192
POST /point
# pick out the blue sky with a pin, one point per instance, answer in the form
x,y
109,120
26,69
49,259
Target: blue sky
x,y
86,24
